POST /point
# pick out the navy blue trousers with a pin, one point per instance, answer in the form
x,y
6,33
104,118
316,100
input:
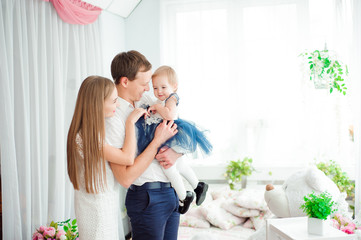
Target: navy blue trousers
x,y
153,213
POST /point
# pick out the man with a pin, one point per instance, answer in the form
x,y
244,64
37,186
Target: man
x,y
151,202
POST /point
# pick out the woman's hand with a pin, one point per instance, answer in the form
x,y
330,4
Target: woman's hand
x,y
165,131
136,114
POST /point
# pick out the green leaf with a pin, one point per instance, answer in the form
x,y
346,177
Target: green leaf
x,y
73,222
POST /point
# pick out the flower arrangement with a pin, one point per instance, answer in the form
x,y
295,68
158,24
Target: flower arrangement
x,y
345,224
237,169
69,231
326,70
318,206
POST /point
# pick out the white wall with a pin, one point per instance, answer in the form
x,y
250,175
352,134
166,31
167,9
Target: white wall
x,y
142,30
113,38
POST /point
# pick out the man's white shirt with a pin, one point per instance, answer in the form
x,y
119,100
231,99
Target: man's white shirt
x,y
115,135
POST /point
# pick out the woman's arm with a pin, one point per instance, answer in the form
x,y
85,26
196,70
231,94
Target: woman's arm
x,y
126,175
126,154
169,111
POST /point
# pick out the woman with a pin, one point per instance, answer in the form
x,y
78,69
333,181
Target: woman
x,y
96,191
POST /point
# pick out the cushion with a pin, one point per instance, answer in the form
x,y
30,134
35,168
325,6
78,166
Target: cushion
x,y
218,216
260,220
252,198
231,207
190,221
248,224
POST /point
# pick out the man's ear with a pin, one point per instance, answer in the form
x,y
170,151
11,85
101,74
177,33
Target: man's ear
x,y
124,81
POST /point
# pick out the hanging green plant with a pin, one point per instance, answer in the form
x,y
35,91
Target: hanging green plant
x,y
326,70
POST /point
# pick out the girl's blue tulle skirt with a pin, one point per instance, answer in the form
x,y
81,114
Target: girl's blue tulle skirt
x,y
188,138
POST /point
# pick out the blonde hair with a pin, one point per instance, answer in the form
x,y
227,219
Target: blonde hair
x,y
88,125
170,73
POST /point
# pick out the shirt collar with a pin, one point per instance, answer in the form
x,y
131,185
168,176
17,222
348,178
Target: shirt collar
x,y
124,103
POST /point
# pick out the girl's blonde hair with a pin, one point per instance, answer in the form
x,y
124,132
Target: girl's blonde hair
x,y
88,125
170,73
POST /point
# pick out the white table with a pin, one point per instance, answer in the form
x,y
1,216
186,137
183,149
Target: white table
x,y
296,228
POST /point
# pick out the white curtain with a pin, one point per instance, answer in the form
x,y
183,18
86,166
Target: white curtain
x,y
357,63
42,63
240,77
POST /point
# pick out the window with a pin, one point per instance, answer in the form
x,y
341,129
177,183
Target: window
x,y
240,77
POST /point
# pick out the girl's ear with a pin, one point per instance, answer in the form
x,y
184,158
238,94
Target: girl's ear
x,y
175,87
124,81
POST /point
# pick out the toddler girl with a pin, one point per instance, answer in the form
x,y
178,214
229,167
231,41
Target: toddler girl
x,y
188,138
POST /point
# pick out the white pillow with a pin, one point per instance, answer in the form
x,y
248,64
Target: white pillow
x,y
252,198
219,217
231,207
224,192
194,218
248,224
260,220
190,221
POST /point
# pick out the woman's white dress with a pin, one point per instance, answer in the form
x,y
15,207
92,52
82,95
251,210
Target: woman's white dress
x,y
97,214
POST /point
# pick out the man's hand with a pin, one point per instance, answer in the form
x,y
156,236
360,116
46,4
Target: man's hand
x,y
167,157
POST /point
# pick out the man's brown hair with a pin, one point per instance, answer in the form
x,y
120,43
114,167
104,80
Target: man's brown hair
x,y
128,64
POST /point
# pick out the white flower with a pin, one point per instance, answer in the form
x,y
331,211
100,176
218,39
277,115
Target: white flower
x,y
62,237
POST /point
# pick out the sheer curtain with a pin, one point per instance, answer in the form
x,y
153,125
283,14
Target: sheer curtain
x,y
357,84
42,63
241,78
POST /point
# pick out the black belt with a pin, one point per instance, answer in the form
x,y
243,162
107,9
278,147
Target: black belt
x,y
150,185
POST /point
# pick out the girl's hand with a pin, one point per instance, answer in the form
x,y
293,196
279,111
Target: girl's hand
x,y
165,131
136,114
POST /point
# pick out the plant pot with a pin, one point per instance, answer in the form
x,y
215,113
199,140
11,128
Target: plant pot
x,y
316,226
321,82
244,182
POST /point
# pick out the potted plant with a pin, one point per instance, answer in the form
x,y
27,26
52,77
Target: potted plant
x,y
317,208
340,178
326,70
334,172
237,169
